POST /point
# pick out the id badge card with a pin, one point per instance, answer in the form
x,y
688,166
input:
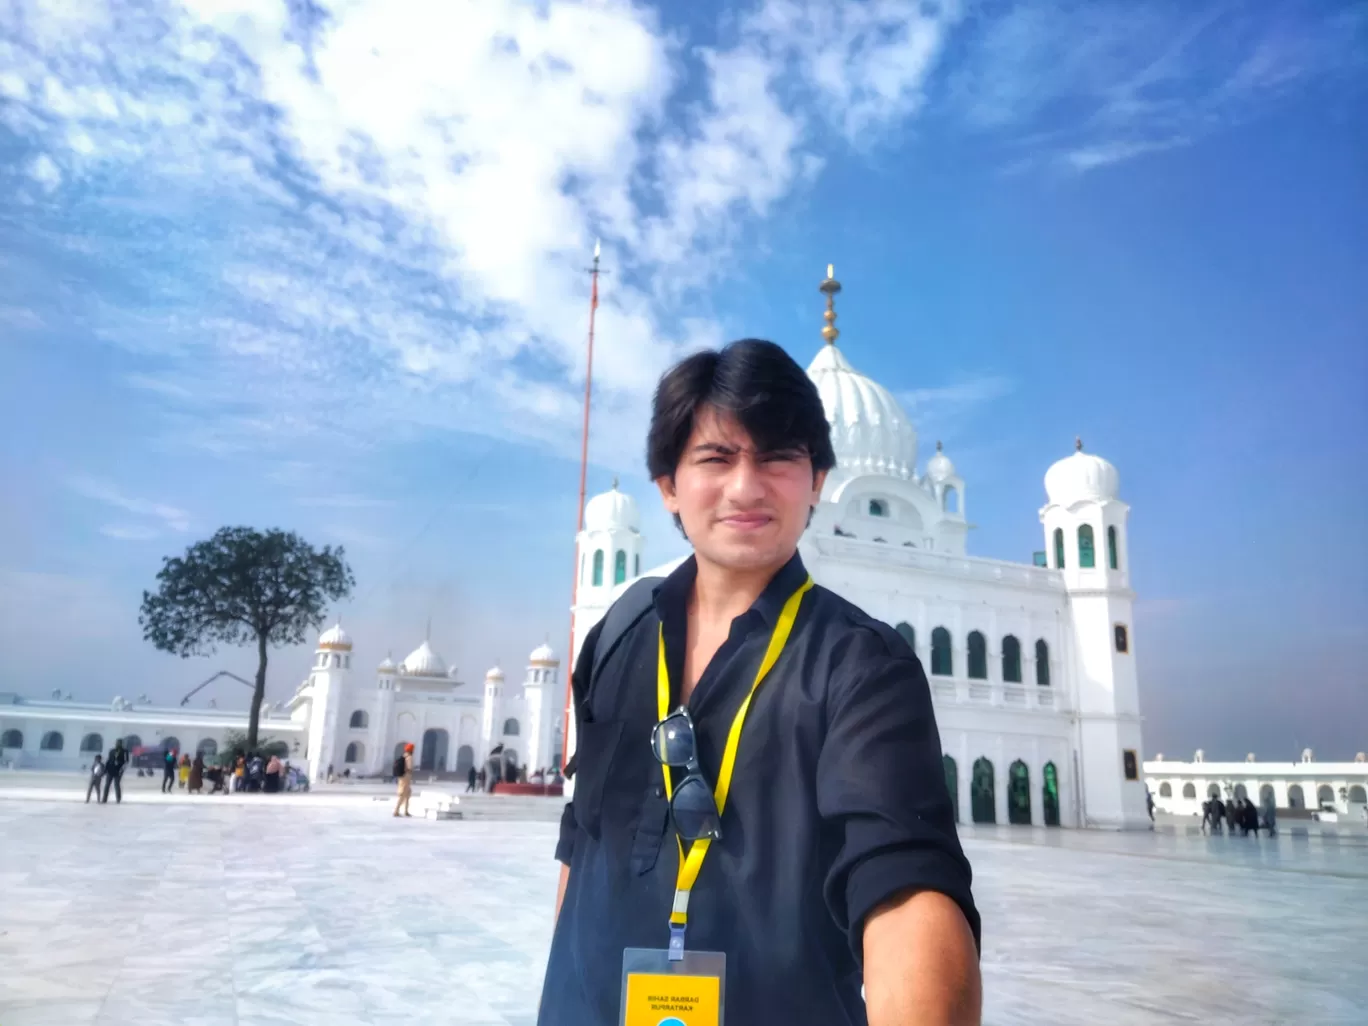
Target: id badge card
x,y
659,991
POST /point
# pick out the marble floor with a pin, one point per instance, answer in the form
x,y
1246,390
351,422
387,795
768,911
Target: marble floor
x,y
204,913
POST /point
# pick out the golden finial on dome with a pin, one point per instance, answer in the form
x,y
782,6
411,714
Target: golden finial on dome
x,y
830,287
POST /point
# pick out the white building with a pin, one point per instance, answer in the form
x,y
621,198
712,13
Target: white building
x,y
338,718
1032,667
1182,787
60,734
359,722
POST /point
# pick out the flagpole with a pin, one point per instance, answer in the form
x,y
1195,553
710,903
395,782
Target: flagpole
x,y
568,724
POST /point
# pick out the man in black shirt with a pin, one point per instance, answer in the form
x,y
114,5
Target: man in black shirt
x,y
800,825
113,773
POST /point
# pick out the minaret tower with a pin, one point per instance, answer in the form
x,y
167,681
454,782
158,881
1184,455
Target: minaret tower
x,y
491,730
1085,539
381,758
540,692
332,663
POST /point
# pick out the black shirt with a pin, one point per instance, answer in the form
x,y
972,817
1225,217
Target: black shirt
x,y
838,802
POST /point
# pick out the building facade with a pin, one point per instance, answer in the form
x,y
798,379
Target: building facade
x,y
1032,666
1181,787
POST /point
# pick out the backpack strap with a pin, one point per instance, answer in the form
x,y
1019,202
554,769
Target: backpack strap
x,y
622,616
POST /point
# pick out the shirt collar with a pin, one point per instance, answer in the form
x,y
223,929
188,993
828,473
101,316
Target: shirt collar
x,y
672,594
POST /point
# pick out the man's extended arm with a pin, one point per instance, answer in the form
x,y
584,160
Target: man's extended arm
x,y
560,889
921,964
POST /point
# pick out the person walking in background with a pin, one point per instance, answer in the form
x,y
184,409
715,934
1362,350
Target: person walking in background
x,y
168,771
1270,813
239,772
184,770
114,765
96,772
472,778
403,773
196,782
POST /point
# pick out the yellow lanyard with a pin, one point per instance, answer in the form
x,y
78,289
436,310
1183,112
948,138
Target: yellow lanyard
x,y
690,866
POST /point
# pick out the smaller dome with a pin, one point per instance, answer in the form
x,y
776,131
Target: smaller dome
x,y
494,673
612,510
386,665
1081,477
543,655
335,638
423,661
938,467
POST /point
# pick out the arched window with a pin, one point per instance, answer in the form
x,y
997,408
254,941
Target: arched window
x,y
170,743
1325,795
983,792
636,565
510,728
1295,798
346,661
92,743
1240,791
359,720
12,739
908,634
942,660
1011,660
1059,548
878,508
1049,793
978,656
1357,794
1213,790
356,751
1122,639
1086,557
1112,560
620,566
208,747
1266,794
1042,663
598,568
52,742
132,742
950,499
1019,794
1189,790
951,783
1166,790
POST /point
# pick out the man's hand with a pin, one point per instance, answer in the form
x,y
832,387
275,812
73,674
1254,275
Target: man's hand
x,y
560,889
920,964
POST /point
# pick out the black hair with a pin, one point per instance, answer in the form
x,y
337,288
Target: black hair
x,y
753,380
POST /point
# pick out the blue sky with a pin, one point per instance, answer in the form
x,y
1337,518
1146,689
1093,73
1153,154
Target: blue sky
x,y
322,267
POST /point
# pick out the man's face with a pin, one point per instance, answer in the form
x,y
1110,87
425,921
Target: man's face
x,y
741,509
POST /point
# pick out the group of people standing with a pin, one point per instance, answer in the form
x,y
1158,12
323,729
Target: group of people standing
x,y
1239,814
250,773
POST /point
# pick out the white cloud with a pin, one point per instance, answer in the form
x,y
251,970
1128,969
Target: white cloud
x,y
419,184
45,172
944,411
170,517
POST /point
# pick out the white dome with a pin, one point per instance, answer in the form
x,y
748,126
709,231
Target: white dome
x,y
543,654
612,510
1081,477
938,467
494,674
386,665
335,637
423,661
869,430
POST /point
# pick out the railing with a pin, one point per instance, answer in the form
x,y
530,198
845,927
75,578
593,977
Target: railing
x,y
885,555
959,691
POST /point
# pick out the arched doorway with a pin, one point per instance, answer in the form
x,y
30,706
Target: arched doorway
x,y
1295,798
1325,795
983,793
1266,794
207,748
465,759
1358,794
1019,794
434,755
92,743
170,743
1240,791
132,743
1049,794
952,783
510,765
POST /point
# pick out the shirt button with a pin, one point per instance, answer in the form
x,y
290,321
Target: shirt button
x,y
660,790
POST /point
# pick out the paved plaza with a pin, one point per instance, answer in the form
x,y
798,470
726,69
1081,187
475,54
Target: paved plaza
x,y
322,909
